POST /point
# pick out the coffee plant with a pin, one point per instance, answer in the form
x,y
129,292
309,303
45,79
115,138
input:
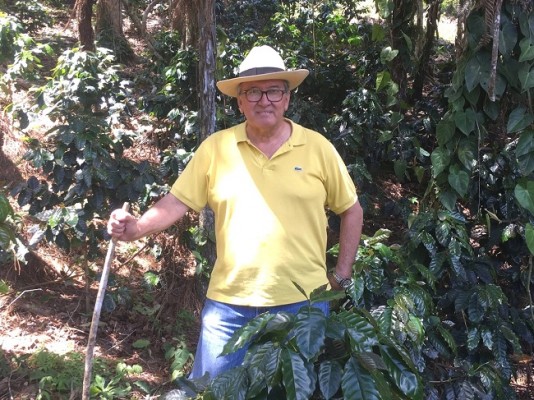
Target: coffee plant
x,y
310,355
82,154
11,246
484,159
10,30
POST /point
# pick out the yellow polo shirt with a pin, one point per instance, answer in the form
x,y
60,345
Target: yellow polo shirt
x,y
270,221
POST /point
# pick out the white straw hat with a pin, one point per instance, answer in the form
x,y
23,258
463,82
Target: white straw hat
x,y
262,63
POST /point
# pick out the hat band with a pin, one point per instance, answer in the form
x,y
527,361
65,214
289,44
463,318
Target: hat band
x,y
260,71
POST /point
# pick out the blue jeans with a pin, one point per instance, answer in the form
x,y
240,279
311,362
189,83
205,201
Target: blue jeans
x,y
219,322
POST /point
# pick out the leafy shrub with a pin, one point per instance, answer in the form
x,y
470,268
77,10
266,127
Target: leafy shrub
x,y
61,375
21,56
485,327
178,356
309,354
167,44
82,154
11,247
484,159
55,373
27,66
176,101
10,31
112,386
31,13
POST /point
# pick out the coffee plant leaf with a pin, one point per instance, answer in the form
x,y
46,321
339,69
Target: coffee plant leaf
x,y
298,381
310,331
529,236
403,376
525,152
330,373
357,383
524,194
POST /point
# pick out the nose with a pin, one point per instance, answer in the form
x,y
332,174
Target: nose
x,y
264,100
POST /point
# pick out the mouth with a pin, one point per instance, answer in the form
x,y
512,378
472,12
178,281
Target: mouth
x,y
264,113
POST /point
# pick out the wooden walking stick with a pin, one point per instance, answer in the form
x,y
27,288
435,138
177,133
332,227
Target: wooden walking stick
x,y
96,316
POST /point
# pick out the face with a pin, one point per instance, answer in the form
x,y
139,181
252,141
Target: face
x,y
263,114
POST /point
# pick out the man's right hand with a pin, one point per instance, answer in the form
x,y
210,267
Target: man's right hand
x,y
122,225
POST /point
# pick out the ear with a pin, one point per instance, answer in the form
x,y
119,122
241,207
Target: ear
x,y
287,101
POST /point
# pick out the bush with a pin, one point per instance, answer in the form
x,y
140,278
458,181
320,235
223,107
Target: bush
x,y
11,247
310,355
31,13
83,153
10,30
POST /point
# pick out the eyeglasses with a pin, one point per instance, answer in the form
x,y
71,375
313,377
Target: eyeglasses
x,y
255,94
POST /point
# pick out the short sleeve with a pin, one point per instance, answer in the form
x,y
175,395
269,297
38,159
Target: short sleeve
x,y
340,189
191,187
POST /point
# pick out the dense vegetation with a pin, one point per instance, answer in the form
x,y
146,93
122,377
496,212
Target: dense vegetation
x,y
442,293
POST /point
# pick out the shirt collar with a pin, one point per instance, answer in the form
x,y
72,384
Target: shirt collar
x,y
297,137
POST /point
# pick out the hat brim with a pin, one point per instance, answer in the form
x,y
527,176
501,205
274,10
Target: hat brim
x,y
294,78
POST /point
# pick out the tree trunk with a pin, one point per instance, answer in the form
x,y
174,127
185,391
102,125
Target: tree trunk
x,y
206,23
84,15
109,17
109,30
401,23
424,64
207,113
186,15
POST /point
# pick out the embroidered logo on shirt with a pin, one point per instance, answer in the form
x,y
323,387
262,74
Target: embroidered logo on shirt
x,y
297,168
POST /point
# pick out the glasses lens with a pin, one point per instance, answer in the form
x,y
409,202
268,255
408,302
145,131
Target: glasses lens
x,y
253,94
273,95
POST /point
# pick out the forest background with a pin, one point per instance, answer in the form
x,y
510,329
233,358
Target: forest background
x,y
104,102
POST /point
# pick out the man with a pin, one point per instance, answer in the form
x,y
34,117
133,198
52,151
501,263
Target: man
x,y
268,182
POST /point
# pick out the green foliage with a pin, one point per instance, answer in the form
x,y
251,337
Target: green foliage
x,y
27,61
4,287
178,355
31,13
363,113
176,100
440,300
472,107
448,306
480,327
22,58
116,386
450,8
7,234
197,239
310,354
484,159
83,152
60,375
11,247
10,30
55,373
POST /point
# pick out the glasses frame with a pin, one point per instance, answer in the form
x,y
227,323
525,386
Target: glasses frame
x,y
264,92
